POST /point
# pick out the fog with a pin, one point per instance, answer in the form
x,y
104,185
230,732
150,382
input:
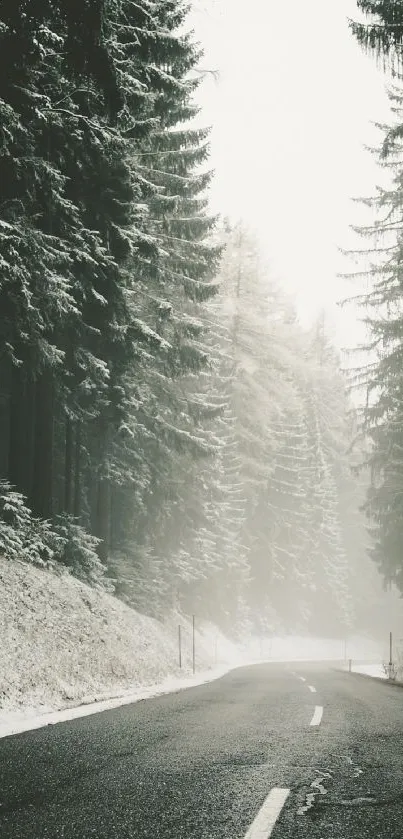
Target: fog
x,y
292,110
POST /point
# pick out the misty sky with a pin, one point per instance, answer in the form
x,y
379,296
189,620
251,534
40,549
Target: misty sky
x,y
291,112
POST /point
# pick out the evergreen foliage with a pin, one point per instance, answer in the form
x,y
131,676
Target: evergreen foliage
x,y
292,432
166,426
104,249
382,35
382,421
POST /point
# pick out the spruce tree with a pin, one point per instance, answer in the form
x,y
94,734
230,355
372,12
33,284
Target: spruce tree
x,y
382,35
171,282
381,378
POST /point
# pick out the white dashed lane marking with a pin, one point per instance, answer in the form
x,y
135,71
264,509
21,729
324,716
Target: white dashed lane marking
x,y
318,712
262,826
316,719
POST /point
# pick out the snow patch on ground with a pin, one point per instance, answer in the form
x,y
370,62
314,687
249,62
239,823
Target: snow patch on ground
x,y
375,670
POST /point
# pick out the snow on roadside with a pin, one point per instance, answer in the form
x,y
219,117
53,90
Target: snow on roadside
x,y
15,722
375,670
64,644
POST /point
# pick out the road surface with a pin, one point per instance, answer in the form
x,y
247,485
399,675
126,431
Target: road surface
x,y
286,751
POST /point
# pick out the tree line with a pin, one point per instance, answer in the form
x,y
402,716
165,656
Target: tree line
x,y
105,252
166,426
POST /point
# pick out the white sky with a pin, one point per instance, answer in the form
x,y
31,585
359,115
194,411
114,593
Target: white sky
x,y
291,112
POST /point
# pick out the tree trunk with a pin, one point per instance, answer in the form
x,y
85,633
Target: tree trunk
x,y
103,518
43,455
29,435
16,461
77,472
5,406
68,466
93,501
4,435
21,431
113,521
117,517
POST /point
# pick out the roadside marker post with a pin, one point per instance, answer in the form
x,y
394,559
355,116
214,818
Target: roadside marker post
x,y
193,645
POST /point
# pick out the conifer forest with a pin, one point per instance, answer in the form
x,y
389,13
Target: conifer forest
x,y
169,430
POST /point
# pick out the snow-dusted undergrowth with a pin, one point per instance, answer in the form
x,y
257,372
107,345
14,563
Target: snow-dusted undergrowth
x,y
64,643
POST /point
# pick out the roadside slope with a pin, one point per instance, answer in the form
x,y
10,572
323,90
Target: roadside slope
x,y
64,643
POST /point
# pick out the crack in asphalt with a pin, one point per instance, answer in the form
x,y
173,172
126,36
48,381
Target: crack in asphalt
x,y
360,799
318,789
367,800
314,799
371,800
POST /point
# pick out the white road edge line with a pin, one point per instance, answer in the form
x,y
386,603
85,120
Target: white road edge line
x,y
316,719
312,689
262,826
302,678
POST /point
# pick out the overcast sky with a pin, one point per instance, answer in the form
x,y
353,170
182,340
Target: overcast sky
x,y
291,112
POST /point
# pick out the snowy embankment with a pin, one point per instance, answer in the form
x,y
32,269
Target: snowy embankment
x,y
64,644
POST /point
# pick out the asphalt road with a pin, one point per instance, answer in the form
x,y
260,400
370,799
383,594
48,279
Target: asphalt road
x,y
201,763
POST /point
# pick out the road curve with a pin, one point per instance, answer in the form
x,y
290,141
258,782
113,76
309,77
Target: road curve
x,y
253,755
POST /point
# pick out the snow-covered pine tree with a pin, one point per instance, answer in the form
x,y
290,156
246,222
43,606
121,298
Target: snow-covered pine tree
x,y
167,425
54,255
222,591
259,326
381,376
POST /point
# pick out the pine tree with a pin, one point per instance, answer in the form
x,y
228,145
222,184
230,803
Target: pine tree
x,y
67,253
381,377
166,424
383,34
